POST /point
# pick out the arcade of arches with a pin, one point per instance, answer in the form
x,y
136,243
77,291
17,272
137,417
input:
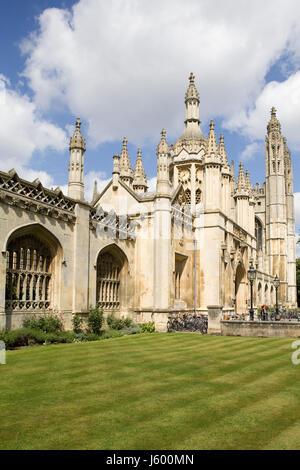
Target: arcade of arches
x,y
32,275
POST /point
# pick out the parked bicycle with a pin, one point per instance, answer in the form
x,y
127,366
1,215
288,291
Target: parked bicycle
x,y
186,322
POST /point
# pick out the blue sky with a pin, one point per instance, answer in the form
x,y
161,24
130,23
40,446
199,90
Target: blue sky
x,y
123,67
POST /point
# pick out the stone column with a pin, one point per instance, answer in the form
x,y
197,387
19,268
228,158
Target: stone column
x,y
81,259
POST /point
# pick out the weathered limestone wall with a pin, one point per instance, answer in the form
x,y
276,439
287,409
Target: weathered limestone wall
x,y
260,329
59,235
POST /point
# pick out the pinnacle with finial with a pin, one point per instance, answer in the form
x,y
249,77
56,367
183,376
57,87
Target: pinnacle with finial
x,y
232,171
140,178
192,92
163,146
248,182
241,178
212,146
77,141
124,157
273,111
274,124
222,150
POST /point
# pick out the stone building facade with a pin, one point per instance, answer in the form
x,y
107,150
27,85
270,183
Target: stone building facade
x,y
184,247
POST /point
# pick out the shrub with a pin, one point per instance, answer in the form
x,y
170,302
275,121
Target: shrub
x,y
148,327
24,337
132,330
95,320
3,334
112,334
77,322
91,337
48,322
118,323
28,336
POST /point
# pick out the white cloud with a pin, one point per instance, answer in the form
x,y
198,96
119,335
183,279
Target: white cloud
x,y
250,151
23,131
285,96
89,182
123,65
152,184
30,175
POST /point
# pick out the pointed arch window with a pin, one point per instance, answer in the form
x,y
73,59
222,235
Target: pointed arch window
x,y
198,196
28,274
187,193
258,234
108,281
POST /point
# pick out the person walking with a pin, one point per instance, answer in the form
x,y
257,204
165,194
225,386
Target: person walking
x,y
263,312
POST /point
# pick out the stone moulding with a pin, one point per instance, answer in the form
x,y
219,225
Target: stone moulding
x,y
113,225
35,198
239,233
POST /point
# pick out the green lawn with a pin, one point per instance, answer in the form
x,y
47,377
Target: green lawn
x,y
159,391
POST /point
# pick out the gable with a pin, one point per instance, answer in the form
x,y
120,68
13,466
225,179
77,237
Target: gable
x,y
121,199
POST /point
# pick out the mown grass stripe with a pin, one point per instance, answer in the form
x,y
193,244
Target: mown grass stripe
x,y
149,391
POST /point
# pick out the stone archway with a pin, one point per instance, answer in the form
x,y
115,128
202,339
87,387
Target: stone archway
x,y
33,264
240,289
111,283
266,299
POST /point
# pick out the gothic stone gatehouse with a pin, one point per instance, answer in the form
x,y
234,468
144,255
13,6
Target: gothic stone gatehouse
x,y
185,246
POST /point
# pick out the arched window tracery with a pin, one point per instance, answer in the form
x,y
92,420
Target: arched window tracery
x,y
108,281
198,196
28,274
187,193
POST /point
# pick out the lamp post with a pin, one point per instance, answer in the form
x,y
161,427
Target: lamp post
x,y
276,283
251,277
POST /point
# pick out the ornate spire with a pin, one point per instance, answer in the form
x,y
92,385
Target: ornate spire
x,y
192,92
222,151
163,146
163,162
76,165
274,124
192,129
77,141
233,172
248,182
126,172
139,178
212,146
124,159
241,182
